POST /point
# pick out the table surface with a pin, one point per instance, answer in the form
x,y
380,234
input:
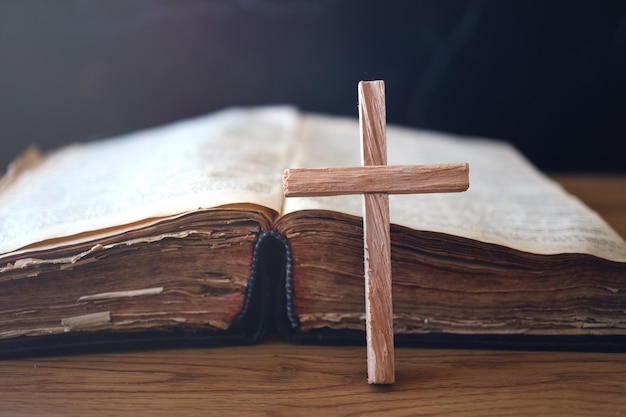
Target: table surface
x,y
275,378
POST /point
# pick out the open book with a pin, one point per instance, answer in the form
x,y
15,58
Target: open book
x,y
181,233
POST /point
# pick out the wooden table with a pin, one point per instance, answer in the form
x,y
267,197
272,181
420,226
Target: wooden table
x,y
275,378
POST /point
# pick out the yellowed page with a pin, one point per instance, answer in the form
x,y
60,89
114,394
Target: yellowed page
x,y
509,202
233,156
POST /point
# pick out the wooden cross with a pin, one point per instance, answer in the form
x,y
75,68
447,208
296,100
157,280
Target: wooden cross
x,y
376,180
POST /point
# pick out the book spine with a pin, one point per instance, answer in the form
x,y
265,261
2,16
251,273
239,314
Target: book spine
x,y
254,274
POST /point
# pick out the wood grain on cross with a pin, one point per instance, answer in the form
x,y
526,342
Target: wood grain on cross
x,y
376,180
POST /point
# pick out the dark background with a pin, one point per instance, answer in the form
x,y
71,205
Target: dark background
x,y
548,76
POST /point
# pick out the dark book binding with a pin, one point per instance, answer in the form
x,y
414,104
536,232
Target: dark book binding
x,y
268,307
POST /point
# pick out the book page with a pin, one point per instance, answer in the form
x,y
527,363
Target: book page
x,y
508,203
233,156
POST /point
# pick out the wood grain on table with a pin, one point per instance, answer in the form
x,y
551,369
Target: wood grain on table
x,y
283,380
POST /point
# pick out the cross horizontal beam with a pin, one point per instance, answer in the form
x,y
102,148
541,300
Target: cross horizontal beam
x,y
389,179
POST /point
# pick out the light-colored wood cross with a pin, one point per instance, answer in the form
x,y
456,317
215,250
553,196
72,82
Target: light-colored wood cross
x,y
376,180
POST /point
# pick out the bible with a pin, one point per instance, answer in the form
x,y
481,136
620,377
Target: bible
x,y
181,235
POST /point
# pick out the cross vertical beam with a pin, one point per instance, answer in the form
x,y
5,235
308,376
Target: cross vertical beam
x,y
376,239
375,180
